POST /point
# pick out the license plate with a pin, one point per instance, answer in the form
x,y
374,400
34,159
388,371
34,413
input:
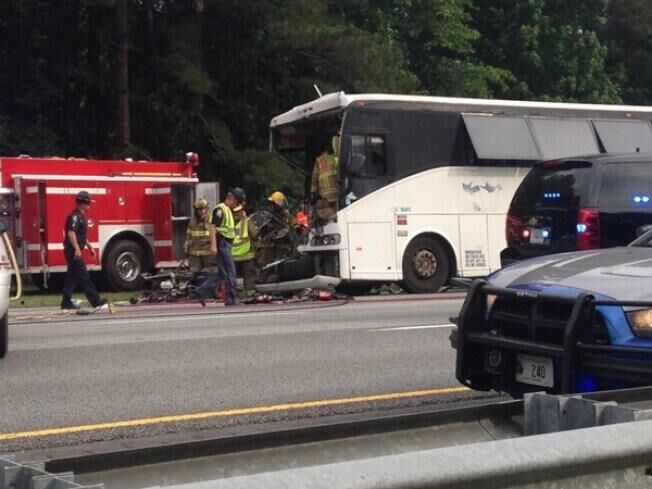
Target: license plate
x,y
539,236
535,370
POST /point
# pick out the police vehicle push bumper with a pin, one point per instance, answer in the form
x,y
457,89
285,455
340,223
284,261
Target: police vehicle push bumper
x,y
519,341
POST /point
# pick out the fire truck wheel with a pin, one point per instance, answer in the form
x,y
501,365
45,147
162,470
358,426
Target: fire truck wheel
x,y
125,261
426,266
4,335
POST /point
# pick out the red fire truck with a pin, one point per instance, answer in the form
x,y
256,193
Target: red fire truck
x,y
138,221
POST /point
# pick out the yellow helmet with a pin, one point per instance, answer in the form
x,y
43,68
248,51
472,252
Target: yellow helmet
x,y
279,199
200,204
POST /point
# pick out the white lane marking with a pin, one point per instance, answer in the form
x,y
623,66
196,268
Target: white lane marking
x,y
191,317
104,321
409,328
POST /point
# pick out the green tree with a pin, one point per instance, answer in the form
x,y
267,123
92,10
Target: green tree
x,y
629,33
56,89
437,38
551,47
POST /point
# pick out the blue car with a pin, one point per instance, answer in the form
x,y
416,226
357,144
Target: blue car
x,y
572,322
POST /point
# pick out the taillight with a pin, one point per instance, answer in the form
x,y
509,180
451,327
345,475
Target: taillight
x,y
513,228
588,229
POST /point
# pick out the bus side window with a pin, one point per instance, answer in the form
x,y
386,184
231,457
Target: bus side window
x,y
368,156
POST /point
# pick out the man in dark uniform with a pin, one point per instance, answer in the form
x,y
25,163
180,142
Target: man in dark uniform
x,y
74,243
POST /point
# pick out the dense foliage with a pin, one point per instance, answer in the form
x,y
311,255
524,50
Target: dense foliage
x,y
208,75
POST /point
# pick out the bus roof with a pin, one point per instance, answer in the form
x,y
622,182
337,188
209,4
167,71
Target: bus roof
x,y
340,100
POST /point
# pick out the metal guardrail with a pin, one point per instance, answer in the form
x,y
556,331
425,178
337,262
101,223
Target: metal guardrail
x,y
567,455
570,442
607,456
20,476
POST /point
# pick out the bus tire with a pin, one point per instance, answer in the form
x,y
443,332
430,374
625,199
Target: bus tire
x,y
426,266
4,335
124,263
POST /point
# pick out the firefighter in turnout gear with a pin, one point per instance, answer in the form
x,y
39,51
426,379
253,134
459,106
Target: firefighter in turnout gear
x,y
275,228
324,181
243,251
222,234
75,241
198,240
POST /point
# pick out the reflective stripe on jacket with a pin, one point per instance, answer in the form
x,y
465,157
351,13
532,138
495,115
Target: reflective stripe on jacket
x,y
227,227
198,240
324,177
242,250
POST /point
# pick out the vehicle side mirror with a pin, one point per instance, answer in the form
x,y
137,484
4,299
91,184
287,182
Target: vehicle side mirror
x,y
643,229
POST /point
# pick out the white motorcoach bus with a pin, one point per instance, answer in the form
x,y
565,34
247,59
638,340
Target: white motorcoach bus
x,y
425,182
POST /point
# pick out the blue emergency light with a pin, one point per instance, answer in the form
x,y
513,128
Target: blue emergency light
x,y
587,383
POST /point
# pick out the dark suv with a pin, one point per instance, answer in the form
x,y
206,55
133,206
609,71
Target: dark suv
x,y
579,204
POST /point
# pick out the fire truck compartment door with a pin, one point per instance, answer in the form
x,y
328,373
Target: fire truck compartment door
x,y
31,225
209,191
161,207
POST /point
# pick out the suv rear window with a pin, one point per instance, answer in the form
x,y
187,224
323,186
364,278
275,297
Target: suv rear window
x,y
554,185
627,186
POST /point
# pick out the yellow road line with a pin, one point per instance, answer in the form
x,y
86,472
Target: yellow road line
x,y
177,418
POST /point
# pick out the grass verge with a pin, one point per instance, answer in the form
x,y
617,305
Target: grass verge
x,y
33,298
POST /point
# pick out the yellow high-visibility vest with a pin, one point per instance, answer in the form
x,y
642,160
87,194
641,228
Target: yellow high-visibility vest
x,y
227,227
242,250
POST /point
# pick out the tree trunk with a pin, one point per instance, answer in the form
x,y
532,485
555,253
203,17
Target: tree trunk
x,y
198,10
122,76
152,55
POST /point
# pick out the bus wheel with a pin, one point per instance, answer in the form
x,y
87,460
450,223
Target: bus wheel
x,y
426,267
124,263
4,335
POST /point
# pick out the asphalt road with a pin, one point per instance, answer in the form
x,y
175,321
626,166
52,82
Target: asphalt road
x,y
128,370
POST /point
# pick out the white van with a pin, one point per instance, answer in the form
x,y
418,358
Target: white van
x,y
8,265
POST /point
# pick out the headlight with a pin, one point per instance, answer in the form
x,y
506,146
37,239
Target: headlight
x,y
641,322
326,240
